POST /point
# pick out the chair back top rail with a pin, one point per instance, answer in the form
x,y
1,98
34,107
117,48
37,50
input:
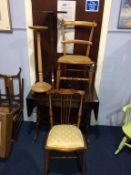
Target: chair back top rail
x,y
127,113
12,76
12,94
79,23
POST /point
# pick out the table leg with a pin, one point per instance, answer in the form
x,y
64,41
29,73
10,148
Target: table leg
x,y
37,126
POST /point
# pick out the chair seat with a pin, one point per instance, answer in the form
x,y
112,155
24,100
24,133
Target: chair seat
x,y
127,129
65,137
6,109
75,59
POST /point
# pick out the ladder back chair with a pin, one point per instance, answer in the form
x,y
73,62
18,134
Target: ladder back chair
x,y
77,66
126,128
11,99
65,135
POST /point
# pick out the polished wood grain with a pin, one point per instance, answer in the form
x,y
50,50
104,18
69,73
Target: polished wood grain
x,y
11,99
45,13
6,123
76,59
40,86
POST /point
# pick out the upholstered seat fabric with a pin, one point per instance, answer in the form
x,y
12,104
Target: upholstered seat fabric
x,y
64,137
75,59
127,129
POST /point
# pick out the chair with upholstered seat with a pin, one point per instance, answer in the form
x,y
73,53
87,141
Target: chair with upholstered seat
x,y
126,128
77,66
65,135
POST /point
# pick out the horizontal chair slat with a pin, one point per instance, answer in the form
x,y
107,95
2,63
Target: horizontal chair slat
x,y
77,42
80,23
76,70
73,78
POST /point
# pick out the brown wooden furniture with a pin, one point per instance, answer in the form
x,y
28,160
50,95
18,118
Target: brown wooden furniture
x,y
11,99
41,102
65,135
6,122
44,14
40,86
80,67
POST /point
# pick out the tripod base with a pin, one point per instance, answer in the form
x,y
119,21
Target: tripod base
x,y
40,87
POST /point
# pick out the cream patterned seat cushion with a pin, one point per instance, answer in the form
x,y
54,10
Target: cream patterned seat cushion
x,y
65,136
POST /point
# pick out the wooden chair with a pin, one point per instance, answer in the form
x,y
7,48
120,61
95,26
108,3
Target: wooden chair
x,y
81,65
11,99
65,135
126,128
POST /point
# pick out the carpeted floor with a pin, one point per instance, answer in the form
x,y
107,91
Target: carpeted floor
x,y
28,158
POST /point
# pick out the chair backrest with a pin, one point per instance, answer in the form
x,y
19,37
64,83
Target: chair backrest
x,y
67,105
81,25
11,92
127,113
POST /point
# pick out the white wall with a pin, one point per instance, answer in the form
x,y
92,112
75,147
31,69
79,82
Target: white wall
x,y
13,47
115,86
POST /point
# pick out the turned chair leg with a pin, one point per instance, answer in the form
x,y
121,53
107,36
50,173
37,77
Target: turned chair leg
x,y
58,76
121,145
82,162
46,162
90,80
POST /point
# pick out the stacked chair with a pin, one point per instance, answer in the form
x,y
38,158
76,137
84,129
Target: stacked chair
x,y
11,110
